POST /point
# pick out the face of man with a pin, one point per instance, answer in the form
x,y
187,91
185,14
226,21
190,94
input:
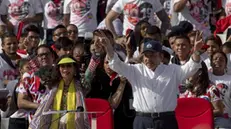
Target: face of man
x,y
45,56
32,40
182,47
10,45
152,59
61,32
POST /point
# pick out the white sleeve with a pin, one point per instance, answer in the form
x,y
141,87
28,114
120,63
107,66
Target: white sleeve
x,y
118,7
110,4
38,8
188,69
120,67
229,64
4,7
175,1
157,6
66,7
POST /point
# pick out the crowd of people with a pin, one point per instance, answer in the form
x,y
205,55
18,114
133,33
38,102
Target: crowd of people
x,y
139,55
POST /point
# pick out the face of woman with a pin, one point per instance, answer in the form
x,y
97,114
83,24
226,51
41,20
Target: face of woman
x,y
67,70
72,33
218,62
143,29
213,47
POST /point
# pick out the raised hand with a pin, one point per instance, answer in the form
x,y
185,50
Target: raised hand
x,y
107,44
198,41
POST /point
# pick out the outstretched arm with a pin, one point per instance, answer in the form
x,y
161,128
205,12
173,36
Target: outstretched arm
x,y
192,66
115,63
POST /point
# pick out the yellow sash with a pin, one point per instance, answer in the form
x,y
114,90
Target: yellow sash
x,y
71,105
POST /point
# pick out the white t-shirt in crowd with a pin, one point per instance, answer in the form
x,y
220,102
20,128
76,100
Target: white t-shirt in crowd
x,y
223,84
208,64
229,64
110,4
227,6
53,13
82,14
136,10
6,72
196,12
117,23
18,10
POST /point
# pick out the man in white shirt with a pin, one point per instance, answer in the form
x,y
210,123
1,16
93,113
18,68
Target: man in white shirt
x,y
154,85
13,12
134,11
196,12
81,13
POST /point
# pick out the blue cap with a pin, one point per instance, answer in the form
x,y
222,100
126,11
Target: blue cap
x,y
153,46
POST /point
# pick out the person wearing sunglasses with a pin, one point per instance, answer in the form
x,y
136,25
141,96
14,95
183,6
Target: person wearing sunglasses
x,y
72,32
68,94
31,41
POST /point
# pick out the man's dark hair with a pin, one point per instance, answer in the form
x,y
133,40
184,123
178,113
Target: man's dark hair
x,y
44,46
65,43
175,31
31,28
222,53
7,35
58,27
216,39
183,37
227,45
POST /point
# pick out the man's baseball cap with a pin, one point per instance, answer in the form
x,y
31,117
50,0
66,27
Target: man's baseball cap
x,y
153,46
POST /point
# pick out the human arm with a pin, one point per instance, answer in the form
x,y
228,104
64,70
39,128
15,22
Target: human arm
x,y
9,25
66,19
192,66
218,108
116,10
23,99
111,16
165,21
66,12
97,53
115,63
179,5
25,103
4,15
35,19
38,10
117,96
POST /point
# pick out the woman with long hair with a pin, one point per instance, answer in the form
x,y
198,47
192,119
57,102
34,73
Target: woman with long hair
x,y
67,95
222,80
200,86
